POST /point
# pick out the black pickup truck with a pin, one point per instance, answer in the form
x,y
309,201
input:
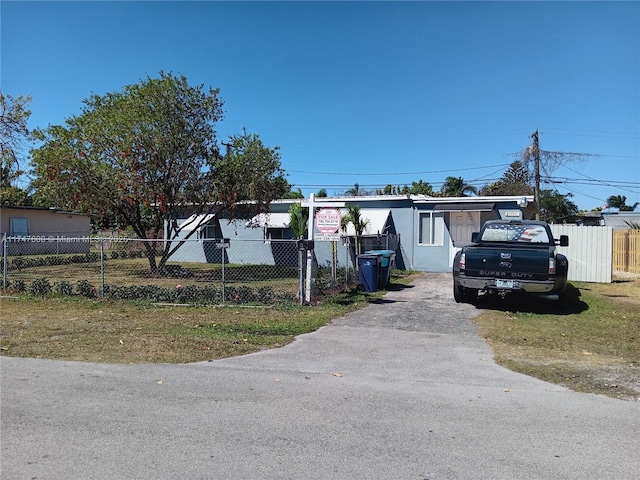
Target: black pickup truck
x,y
510,256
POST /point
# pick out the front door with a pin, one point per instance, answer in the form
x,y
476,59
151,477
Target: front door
x,y
462,225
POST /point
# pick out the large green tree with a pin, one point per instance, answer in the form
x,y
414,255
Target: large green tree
x,y
14,139
516,180
145,154
555,207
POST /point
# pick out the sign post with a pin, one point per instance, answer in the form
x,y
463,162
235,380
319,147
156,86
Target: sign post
x,y
311,204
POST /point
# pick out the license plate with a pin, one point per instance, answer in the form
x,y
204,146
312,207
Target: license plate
x,y
504,283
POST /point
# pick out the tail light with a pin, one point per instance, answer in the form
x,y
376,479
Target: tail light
x,y
552,266
463,261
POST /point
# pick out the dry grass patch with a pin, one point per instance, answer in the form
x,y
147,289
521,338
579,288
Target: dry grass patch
x,y
125,332
114,331
592,344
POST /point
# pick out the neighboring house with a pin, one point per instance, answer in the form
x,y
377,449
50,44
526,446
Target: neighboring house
x,y
621,220
614,219
48,230
425,232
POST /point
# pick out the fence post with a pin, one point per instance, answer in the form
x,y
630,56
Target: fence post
x,y
301,275
101,266
223,252
5,262
346,262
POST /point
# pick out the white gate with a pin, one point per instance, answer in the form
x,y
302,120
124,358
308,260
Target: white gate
x,y
589,252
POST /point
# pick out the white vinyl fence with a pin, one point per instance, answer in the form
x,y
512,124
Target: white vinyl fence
x,y
589,252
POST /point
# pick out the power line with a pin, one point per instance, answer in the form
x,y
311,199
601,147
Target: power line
x,y
590,133
591,181
387,174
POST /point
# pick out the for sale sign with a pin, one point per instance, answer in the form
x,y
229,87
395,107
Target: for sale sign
x,y
328,221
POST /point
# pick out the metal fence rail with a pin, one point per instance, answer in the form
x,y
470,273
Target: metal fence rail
x,y
240,271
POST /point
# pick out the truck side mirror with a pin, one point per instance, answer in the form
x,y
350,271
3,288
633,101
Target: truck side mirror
x,y
564,240
474,237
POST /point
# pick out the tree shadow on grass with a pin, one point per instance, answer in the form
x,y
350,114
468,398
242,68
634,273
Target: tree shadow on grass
x,y
568,304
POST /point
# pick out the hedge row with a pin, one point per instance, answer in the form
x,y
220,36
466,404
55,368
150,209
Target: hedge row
x,y
52,260
179,294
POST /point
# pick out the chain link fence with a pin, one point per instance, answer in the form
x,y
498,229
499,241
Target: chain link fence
x,y
200,271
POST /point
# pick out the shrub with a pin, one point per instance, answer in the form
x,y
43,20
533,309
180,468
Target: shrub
x,y
19,286
190,293
86,289
265,295
209,293
284,297
18,263
40,286
246,295
63,288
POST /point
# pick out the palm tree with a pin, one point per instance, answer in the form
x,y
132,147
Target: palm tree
x,y
620,202
298,218
353,192
354,217
457,187
420,188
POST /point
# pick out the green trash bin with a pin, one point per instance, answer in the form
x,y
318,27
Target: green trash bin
x,y
388,259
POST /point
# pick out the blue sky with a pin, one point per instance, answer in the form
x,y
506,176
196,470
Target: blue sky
x,y
372,93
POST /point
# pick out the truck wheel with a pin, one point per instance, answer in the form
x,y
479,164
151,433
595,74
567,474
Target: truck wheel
x,y
458,293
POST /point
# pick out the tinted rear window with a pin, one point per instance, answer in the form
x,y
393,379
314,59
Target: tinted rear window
x,y
503,232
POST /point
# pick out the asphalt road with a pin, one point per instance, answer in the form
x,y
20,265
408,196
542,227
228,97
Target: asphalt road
x,y
403,389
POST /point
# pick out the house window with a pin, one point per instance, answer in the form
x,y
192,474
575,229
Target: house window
x,y
19,227
431,228
210,230
273,233
278,234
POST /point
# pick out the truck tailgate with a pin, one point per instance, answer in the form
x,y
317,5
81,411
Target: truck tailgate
x,y
508,262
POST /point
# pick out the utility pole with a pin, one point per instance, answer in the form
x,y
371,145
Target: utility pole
x,y
536,163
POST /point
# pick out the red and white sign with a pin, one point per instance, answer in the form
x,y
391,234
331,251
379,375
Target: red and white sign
x,y
328,220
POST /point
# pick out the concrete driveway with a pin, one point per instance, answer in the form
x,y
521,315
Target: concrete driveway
x,y
403,389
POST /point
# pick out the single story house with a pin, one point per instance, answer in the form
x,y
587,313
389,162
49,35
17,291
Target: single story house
x,y
47,230
614,219
424,232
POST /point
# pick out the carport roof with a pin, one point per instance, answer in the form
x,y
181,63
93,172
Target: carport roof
x,y
377,218
196,221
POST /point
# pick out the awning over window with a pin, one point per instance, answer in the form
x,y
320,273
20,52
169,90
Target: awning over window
x,y
378,221
270,220
194,220
463,207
